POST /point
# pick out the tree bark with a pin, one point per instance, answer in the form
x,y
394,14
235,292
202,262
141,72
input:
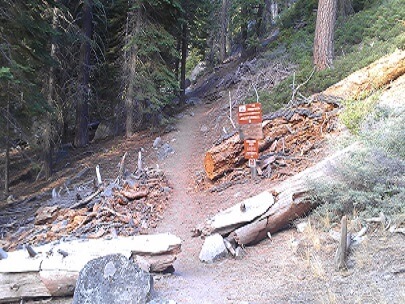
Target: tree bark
x,y
244,30
135,22
48,147
82,106
376,75
7,144
184,47
324,34
224,30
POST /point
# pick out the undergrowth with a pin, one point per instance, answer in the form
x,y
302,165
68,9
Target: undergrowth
x,y
360,39
372,180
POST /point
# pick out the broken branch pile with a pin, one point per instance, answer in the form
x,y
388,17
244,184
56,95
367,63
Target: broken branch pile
x,y
109,211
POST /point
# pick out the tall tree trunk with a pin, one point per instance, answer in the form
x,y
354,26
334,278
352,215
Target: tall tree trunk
x,y
224,30
177,61
259,20
184,47
274,11
131,65
48,147
324,34
82,106
244,30
7,144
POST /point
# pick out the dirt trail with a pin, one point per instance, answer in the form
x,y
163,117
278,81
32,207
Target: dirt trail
x,y
193,282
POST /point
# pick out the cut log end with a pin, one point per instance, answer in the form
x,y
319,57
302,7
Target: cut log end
x,y
209,165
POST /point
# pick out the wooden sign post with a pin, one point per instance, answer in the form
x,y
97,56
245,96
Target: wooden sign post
x,y
250,119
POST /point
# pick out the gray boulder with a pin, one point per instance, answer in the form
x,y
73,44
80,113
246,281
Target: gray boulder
x,y
213,249
105,130
157,142
165,151
112,279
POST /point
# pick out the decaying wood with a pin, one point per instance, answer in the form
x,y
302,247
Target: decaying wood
x,y
132,195
291,202
295,129
59,283
52,274
87,199
122,167
159,263
15,286
234,217
372,77
341,253
229,153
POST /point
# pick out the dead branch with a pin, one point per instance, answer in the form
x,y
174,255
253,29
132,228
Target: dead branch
x,y
87,199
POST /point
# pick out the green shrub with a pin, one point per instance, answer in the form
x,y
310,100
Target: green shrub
x,y
373,180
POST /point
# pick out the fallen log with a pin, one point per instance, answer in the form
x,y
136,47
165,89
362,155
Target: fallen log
x,y
238,215
51,274
292,201
291,125
156,264
372,77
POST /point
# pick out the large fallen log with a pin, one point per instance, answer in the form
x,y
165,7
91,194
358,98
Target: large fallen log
x,y
372,77
292,200
54,270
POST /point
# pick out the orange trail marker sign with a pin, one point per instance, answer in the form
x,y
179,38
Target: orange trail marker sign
x,y
250,114
251,148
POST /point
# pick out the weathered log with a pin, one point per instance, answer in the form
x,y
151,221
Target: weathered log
x,y
155,264
238,215
228,154
340,258
292,200
372,77
15,286
52,274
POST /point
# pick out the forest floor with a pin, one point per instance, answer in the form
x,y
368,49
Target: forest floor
x,y
291,267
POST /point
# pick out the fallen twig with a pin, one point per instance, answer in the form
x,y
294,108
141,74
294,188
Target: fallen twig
x,y
87,199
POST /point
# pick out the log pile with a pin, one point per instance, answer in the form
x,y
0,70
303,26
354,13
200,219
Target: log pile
x,y
114,209
259,217
54,269
288,135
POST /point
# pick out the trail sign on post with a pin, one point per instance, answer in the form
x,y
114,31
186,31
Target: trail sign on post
x,y
251,148
250,119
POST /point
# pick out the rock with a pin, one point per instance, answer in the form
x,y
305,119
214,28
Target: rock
x,y
105,130
213,249
193,101
204,129
162,301
46,215
112,279
301,227
240,253
157,142
165,151
3,254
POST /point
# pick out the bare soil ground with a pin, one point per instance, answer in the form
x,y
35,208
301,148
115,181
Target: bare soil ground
x,y
291,267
